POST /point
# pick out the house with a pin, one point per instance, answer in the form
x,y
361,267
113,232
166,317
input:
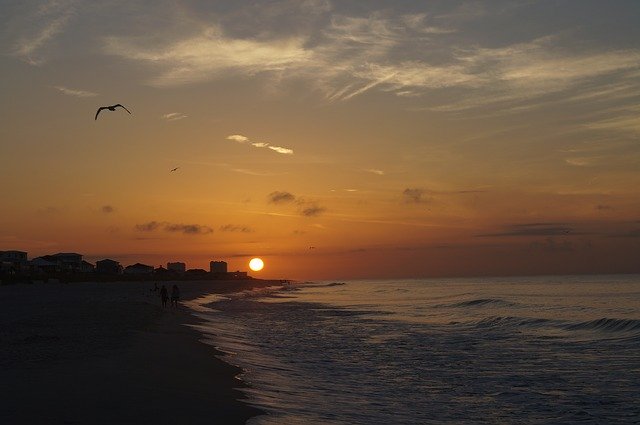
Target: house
x,y
43,265
86,267
68,261
177,267
138,268
108,266
13,261
14,257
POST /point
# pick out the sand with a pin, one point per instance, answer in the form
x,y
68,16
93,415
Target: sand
x,y
108,353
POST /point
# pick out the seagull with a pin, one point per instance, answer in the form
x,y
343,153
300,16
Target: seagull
x,y
111,108
174,169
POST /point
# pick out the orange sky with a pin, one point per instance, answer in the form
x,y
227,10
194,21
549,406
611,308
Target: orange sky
x,y
333,139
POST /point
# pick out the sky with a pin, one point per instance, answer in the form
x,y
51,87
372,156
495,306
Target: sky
x,y
333,139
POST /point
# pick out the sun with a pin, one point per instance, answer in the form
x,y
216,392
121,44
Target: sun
x,y
256,264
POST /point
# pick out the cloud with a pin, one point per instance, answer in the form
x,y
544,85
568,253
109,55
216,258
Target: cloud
x,y
375,171
174,116
409,55
107,209
279,149
187,229
50,20
278,197
238,138
244,139
534,229
312,210
209,54
603,207
581,161
148,227
551,245
73,92
48,210
414,196
234,228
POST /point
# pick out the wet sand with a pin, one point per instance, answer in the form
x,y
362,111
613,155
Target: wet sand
x,y
108,353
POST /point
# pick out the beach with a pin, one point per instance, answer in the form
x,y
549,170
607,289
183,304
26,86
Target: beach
x,y
106,353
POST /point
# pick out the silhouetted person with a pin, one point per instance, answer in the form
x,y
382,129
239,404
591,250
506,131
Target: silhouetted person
x,y
155,287
164,295
175,296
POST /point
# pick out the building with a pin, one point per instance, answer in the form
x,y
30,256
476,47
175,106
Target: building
x,y
138,268
14,257
41,264
13,261
108,266
86,267
218,267
177,267
68,261
237,275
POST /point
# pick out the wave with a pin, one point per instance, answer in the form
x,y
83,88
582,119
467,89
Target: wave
x,y
604,325
509,321
480,302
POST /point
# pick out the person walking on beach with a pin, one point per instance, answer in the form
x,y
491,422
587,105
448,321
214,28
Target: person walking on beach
x,y
164,296
175,296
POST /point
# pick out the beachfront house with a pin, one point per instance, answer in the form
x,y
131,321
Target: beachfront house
x,y
177,267
13,257
108,266
67,261
138,269
13,261
86,267
42,265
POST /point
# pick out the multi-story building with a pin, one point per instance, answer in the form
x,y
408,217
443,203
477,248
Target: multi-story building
x,y
218,267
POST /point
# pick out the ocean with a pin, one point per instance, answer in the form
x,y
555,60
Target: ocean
x,y
533,350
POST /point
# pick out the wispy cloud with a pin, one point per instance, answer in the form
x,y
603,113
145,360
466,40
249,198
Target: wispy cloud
x,y
74,92
50,20
534,229
375,171
236,228
312,210
280,149
238,138
107,209
210,53
244,139
279,197
174,116
187,229
345,56
415,196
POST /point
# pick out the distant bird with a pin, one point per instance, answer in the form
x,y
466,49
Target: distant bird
x,y
174,169
111,108
312,247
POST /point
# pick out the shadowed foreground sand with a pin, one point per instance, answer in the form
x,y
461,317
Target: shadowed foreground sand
x,y
107,353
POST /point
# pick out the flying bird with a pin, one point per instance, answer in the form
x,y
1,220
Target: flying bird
x,y
174,169
111,108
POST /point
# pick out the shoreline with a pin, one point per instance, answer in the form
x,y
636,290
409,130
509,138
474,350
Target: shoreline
x,y
109,353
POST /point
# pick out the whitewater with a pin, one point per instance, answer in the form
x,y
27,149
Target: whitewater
x,y
534,350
